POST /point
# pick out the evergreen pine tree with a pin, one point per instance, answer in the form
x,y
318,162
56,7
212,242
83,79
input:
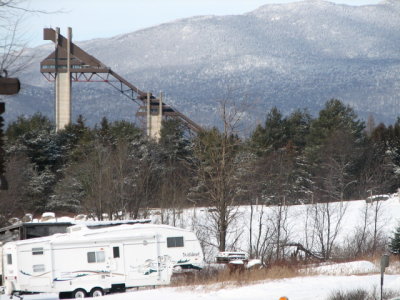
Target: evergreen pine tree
x,y
272,136
394,245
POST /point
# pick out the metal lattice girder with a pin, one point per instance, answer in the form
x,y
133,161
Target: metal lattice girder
x,y
86,68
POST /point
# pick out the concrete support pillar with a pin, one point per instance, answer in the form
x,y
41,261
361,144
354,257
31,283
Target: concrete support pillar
x,y
63,87
154,119
148,115
63,100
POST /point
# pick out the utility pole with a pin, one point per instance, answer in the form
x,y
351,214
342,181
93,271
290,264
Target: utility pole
x,y
384,265
8,86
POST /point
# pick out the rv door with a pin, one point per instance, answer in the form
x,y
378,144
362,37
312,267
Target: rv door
x,y
117,267
10,270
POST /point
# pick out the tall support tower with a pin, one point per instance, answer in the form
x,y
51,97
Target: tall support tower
x,y
69,63
63,83
154,115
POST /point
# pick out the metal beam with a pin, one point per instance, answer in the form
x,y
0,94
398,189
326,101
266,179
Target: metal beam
x,y
51,34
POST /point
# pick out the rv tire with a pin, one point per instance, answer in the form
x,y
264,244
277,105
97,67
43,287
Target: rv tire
x,y
96,292
79,293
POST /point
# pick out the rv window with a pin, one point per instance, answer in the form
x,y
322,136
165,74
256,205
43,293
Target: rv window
x,y
9,259
91,257
116,252
37,251
96,257
100,256
38,268
175,242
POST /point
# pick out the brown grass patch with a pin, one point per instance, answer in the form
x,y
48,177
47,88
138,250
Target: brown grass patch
x,y
216,278
219,276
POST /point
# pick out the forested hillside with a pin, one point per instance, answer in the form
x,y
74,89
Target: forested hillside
x,y
292,55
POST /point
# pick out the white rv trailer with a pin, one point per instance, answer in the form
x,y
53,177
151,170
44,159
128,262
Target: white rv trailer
x,y
29,230
96,261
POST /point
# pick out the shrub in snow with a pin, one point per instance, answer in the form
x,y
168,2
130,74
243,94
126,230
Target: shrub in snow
x,y
350,295
361,294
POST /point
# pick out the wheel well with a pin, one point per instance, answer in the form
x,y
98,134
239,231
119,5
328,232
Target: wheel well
x,y
79,289
70,294
64,295
118,287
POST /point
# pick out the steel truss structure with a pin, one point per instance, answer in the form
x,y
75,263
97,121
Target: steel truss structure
x,y
85,68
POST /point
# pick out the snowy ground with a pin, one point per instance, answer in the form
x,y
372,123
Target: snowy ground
x,y
300,226
349,268
298,288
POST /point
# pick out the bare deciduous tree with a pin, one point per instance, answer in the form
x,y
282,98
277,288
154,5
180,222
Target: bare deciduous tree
x,y
217,167
262,236
368,237
281,233
12,43
327,224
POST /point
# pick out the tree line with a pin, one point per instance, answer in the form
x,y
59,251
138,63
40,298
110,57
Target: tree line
x,y
113,170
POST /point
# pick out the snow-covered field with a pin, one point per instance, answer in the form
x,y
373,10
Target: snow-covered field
x,y
300,223
298,288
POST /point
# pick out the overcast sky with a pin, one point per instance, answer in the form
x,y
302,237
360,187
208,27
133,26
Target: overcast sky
x,y
91,19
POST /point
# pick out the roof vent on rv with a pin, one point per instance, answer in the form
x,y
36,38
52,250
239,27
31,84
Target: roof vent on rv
x,y
76,228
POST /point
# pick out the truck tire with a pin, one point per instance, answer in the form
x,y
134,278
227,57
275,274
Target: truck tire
x,y
96,292
79,293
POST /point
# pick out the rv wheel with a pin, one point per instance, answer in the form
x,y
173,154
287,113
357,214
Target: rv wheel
x,y
97,292
79,293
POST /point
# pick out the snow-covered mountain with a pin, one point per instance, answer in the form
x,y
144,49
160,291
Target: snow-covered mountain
x,y
296,55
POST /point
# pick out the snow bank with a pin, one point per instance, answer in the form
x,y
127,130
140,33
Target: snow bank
x,y
299,288
350,268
